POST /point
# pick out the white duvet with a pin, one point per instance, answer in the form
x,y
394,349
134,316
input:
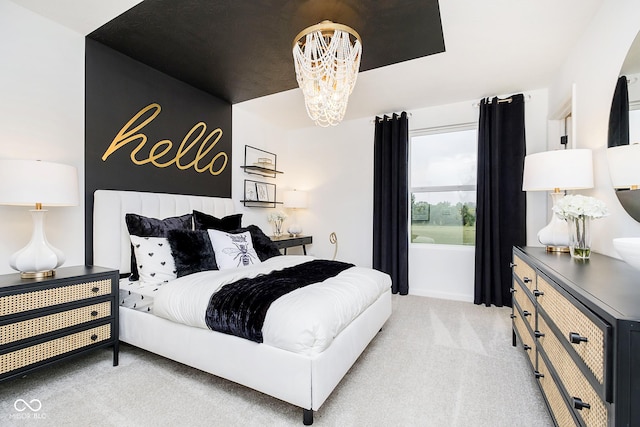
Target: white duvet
x,y
303,321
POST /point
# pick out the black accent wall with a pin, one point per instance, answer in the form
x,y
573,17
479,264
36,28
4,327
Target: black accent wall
x,y
146,131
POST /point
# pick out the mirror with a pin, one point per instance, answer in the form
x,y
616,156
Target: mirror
x,y
624,134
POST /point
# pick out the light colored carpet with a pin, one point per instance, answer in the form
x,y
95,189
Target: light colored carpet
x,y
435,363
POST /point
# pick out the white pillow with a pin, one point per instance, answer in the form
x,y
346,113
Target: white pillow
x,y
154,259
233,250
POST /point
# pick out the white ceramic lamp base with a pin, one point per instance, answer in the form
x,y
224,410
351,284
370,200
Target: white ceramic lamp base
x,y
555,236
38,258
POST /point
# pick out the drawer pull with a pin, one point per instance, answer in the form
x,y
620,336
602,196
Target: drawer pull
x,y
513,316
526,347
526,313
575,338
513,290
511,265
94,337
527,280
537,293
579,404
538,374
538,334
94,313
95,289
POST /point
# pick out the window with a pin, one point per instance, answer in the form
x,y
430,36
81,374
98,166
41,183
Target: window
x,y
443,174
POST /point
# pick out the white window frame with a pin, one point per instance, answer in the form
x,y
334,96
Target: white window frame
x,y
437,188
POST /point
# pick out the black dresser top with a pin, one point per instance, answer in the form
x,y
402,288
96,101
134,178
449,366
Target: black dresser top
x,y
605,284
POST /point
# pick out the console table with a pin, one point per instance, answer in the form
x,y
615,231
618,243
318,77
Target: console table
x,y
285,241
579,323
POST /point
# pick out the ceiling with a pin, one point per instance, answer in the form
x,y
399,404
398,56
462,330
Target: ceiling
x,y
493,47
241,50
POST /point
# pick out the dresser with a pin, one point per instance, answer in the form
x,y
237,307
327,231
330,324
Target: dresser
x,y
46,320
579,324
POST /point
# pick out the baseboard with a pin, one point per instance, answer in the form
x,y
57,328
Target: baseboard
x,y
442,295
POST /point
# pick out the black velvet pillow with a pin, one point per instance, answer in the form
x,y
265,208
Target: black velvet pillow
x,y
203,221
143,226
192,251
264,247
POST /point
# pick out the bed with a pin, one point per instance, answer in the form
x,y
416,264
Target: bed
x,y
303,379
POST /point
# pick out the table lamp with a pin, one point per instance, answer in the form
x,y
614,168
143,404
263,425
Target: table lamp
x,y
624,166
295,200
37,183
557,171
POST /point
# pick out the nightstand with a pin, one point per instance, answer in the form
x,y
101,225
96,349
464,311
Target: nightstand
x,y
46,320
286,241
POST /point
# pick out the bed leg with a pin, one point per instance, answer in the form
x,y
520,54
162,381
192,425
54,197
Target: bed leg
x,y
307,416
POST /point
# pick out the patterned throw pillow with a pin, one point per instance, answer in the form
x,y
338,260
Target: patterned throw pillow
x,y
154,260
139,225
233,250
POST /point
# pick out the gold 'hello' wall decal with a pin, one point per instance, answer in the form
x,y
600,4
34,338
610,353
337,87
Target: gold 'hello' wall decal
x,y
159,154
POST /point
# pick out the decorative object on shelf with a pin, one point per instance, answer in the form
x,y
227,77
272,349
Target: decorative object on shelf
x,y
276,219
37,183
259,194
555,171
327,59
260,162
578,211
295,200
264,162
629,250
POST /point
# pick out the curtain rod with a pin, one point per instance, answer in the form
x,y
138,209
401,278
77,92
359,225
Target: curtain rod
x,y
527,97
632,80
389,116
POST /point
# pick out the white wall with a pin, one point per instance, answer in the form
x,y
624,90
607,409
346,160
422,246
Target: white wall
x,y
249,129
593,66
335,166
41,117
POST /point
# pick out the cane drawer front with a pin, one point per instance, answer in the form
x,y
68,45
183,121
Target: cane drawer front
x,y
586,334
585,401
33,327
25,357
524,272
37,299
526,304
558,406
525,335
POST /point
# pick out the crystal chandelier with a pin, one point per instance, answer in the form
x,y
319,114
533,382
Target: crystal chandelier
x,y
327,64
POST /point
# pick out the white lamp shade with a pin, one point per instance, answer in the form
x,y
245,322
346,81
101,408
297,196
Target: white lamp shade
x,y
295,199
624,165
27,182
561,169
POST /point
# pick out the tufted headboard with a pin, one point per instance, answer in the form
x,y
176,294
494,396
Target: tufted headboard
x,y
111,244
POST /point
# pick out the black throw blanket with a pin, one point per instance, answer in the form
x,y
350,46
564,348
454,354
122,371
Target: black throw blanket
x,y
240,308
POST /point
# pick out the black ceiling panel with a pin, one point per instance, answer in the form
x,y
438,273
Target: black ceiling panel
x,y
241,49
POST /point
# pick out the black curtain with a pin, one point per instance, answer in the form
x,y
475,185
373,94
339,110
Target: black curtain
x,y
501,203
391,200
619,115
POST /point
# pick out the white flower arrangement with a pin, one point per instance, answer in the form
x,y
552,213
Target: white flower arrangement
x,y
278,216
579,206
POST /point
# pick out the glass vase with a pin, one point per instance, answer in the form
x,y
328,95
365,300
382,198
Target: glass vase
x,y
277,228
580,237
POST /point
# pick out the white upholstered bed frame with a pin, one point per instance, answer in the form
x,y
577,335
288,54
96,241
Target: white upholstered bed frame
x,y
304,381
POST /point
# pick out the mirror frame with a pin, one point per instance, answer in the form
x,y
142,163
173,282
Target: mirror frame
x,y
628,198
